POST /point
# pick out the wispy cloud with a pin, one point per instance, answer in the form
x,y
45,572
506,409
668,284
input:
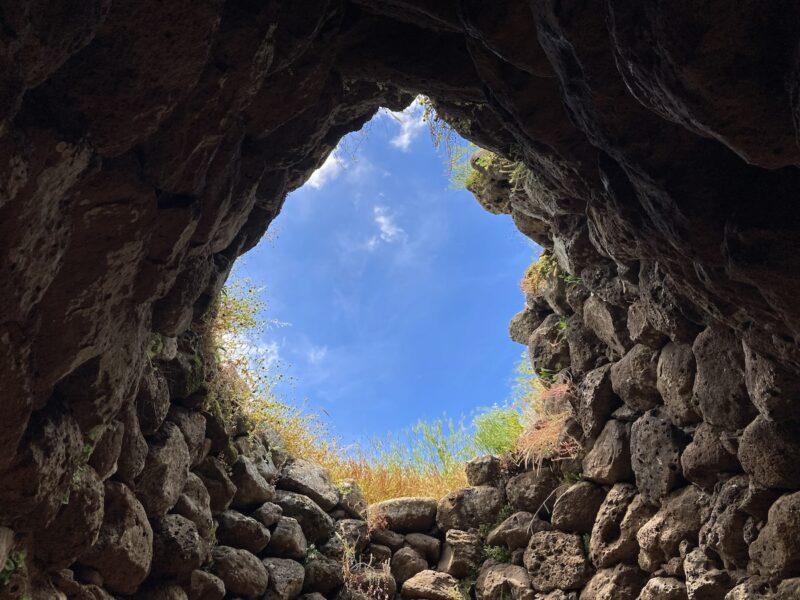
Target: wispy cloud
x,y
389,230
410,122
317,354
329,171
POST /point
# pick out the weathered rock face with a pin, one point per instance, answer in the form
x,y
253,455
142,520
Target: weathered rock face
x,y
146,146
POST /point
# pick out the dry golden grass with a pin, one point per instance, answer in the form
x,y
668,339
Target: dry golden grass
x,y
547,414
537,274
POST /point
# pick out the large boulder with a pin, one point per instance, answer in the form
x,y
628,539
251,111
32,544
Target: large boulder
x,y
406,563
656,446
240,531
515,531
286,578
498,581
770,452
547,346
620,517
287,540
633,378
252,489
719,390
311,480
609,460
77,525
675,380
608,323
177,547
241,572
773,390
218,484
622,582
427,545
556,561
166,469
680,518
405,515
317,525
205,586
576,508
533,491
469,507
124,548
776,552
354,533
461,553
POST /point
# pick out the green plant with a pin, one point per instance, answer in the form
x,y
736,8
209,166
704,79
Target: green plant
x,y
498,428
16,560
538,273
570,279
546,375
498,553
312,553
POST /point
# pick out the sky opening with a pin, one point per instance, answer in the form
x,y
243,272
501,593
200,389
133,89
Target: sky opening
x,y
393,289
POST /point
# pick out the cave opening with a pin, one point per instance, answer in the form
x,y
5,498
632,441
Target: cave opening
x,y
146,146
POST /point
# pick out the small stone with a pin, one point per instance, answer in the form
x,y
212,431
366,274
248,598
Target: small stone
x,y
317,525
166,469
205,586
498,581
430,585
664,588
177,547
679,518
428,546
622,582
706,460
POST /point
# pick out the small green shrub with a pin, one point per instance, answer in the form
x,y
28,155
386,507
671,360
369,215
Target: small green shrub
x,y
498,428
15,561
498,553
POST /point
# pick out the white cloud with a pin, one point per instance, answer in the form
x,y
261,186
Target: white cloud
x,y
389,230
317,354
329,171
410,122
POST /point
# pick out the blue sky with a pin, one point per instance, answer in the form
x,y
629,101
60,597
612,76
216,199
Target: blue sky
x,y
395,289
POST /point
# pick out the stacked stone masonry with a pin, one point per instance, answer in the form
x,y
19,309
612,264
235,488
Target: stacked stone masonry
x,y
145,145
